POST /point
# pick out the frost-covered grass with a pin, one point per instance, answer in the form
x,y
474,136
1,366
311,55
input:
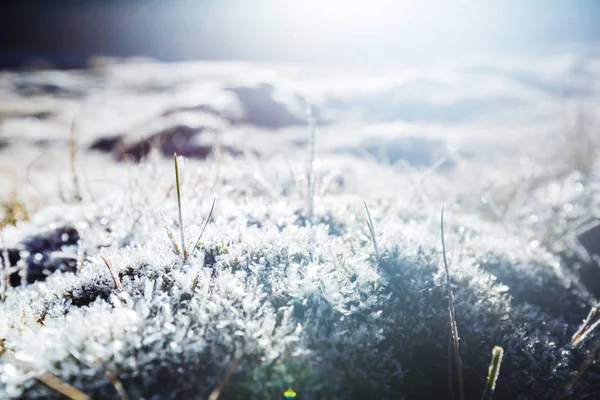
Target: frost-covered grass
x,y
320,269
313,307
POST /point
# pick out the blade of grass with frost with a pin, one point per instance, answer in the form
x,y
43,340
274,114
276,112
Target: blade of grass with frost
x,y
494,370
80,255
178,185
372,232
171,236
72,161
196,243
453,326
591,322
310,178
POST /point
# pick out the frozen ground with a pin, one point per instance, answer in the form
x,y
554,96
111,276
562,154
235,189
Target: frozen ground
x,y
285,288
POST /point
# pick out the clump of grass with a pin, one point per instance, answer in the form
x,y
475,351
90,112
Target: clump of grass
x,y
494,370
453,326
181,249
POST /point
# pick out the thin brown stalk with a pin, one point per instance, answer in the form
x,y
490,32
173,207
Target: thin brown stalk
x,y
28,174
113,273
212,208
47,378
453,325
587,362
61,386
80,255
72,161
171,236
591,322
117,384
216,393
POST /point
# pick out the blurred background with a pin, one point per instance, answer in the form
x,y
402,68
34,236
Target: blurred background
x,y
66,33
490,106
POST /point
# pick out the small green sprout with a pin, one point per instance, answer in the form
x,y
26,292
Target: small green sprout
x,y
488,392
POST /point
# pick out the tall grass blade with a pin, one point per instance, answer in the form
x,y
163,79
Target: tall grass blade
x,y
212,208
72,161
310,174
178,185
453,326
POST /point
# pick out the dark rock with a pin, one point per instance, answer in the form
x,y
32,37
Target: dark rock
x,y
88,293
589,271
200,108
40,261
180,139
106,143
262,110
540,287
43,87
